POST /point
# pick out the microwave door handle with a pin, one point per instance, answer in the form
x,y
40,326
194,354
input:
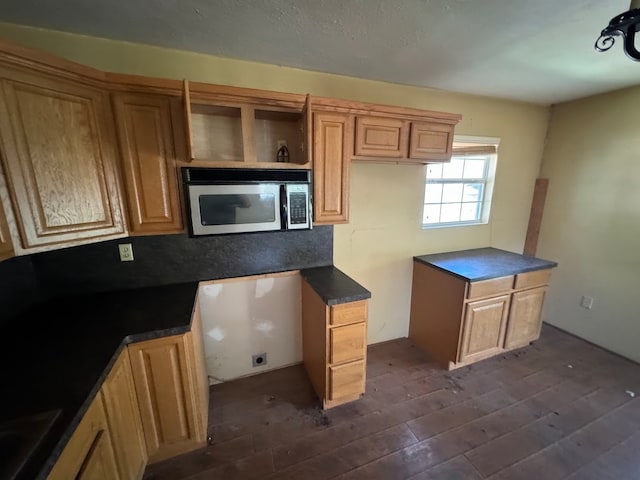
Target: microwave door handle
x,y
284,208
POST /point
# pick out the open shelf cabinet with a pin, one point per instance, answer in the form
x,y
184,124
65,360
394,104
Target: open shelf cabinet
x,y
228,134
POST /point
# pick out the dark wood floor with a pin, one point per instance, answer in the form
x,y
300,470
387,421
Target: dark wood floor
x,y
560,408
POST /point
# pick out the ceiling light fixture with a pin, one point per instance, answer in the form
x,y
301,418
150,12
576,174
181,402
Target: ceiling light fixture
x,y
625,24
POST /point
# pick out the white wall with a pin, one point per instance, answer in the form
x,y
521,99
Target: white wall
x,y
591,222
243,317
384,232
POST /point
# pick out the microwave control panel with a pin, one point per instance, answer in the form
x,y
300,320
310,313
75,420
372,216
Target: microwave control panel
x,y
298,207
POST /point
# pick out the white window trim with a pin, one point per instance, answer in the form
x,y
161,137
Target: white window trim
x,y
490,174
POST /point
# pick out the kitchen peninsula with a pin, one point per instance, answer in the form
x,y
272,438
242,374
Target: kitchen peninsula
x,y
65,369
472,304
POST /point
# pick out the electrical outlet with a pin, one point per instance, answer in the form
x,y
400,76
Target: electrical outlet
x,y
586,302
281,143
259,359
126,252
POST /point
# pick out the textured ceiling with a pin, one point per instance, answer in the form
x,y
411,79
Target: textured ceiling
x,y
539,51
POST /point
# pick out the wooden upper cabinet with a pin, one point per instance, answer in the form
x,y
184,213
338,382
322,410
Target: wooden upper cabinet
x,y
6,244
381,137
60,158
146,134
332,145
405,136
227,130
431,141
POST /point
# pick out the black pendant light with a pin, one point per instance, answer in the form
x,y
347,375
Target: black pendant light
x,y
625,24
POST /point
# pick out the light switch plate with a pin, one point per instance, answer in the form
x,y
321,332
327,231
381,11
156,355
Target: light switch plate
x,y
126,252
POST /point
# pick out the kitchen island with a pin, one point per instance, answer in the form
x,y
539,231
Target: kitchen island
x,y
473,304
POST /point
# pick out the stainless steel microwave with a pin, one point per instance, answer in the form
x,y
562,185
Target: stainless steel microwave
x,y
230,200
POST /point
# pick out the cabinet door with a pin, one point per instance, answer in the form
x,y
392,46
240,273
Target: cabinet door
x,y
525,317
381,137
431,141
331,161
6,245
164,386
99,462
149,155
60,159
483,329
89,452
123,416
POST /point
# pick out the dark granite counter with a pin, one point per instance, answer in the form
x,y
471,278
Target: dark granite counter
x,y
63,350
484,263
334,286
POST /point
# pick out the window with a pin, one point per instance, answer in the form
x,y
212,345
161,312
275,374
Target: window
x,y
459,192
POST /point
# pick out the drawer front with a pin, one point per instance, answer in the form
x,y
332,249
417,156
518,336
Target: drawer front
x,y
487,288
348,313
347,343
346,380
533,279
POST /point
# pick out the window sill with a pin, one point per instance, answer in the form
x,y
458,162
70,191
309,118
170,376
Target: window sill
x,y
450,225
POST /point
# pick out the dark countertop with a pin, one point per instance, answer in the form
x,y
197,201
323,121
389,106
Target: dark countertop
x,y
484,263
334,286
64,348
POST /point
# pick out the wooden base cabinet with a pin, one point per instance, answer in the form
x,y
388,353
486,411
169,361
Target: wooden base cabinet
x,y
153,405
526,308
460,322
334,347
89,453
166,382
483,328
123,417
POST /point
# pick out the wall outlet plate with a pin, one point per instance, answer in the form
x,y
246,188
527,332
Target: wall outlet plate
x,y
586,302
282,143
126,252
259,359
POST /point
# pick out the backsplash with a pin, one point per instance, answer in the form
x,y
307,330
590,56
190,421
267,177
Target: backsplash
x,y
170,259
19,284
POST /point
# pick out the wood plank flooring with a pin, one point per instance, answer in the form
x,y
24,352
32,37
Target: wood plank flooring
x,y
559,408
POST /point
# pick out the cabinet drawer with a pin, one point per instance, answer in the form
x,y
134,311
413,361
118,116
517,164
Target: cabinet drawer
x,y
346,380
533,279
351,312
487,288
347,343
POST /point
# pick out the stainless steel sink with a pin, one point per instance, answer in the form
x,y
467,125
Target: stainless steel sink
x,y
20,438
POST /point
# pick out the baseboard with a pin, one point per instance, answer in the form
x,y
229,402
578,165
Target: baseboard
x,y
592,343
